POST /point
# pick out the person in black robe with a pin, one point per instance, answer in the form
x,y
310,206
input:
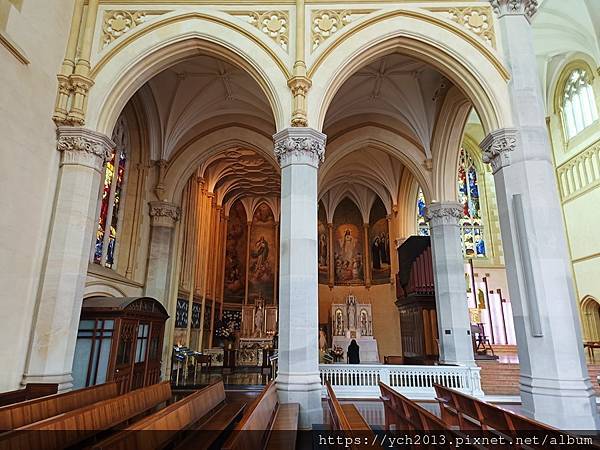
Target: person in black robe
x,y
353,353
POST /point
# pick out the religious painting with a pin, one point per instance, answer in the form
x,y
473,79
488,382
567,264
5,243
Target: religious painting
x,y
323,240
348,253
263,257
235,255
379,244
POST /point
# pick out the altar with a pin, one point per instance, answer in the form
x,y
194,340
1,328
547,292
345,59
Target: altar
x,y
353,320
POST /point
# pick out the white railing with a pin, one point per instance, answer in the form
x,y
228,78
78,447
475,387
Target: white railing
x,y
416,382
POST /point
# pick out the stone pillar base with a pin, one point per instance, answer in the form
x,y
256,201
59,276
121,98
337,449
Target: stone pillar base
x,y
567,405
304,389
64,381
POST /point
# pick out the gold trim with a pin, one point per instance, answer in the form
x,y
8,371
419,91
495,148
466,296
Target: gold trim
x,y
135,34
453,28
13,48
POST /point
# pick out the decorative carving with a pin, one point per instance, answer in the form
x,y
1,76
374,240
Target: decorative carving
x,y
164,214
117,23
80,146
325,23
300,145
299,87
274,24
443,213
476,20
528,8
497,147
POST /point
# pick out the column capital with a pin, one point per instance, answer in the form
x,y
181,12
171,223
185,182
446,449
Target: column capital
x,y
164,214
82,147
443,213
300,146
497,147
526,8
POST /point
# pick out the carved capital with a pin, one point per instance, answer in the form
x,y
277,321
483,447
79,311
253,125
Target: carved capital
x,y
300,146
497,147
443,213
526,8
164,214
80,146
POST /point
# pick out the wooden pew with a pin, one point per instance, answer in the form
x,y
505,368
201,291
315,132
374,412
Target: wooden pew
x,y
263,422
474,414
75,426
407,415
347,420
24,413
203,411
29,392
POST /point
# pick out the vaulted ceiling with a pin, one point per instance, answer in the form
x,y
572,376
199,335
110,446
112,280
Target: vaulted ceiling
x,y
394,93
202,93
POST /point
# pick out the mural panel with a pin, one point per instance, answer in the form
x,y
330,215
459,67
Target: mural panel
x,y
235,255
261,275
348,244
323,238
379,244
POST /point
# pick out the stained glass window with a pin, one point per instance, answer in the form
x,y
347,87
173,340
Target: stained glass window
x,y
422,225
111,197
468,195
578,104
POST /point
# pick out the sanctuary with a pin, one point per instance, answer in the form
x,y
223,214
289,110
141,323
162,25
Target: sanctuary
x,y
220,197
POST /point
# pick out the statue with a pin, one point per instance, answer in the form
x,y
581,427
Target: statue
x,y
351,313
364,329
322,340
258,318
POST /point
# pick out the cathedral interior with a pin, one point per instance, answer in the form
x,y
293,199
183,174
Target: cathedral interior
x,y
307,211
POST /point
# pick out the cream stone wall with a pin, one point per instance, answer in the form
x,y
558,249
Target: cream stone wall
x,y
29,162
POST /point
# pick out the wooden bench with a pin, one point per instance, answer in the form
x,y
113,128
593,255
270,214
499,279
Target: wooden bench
x,y
347,420
29,392
24,413
205,410
470,413
75,426
264,423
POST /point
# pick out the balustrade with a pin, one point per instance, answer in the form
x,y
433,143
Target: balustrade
x,y
361,381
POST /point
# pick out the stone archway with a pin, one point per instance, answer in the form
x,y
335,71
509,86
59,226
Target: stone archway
x,y
173,39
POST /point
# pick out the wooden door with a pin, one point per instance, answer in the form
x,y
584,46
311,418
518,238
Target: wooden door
x,y
125,351
154,353
141,355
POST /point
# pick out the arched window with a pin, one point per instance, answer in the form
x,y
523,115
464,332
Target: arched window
x,y
578,103
422,225
111,198
468,195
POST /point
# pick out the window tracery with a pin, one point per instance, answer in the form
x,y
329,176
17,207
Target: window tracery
x,y
578,105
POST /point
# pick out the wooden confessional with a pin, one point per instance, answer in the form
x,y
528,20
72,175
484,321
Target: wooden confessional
x,y
119,339
415,295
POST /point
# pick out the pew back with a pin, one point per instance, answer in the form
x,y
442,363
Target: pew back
x,y
29,392
74,426
24,413
258,418
168,421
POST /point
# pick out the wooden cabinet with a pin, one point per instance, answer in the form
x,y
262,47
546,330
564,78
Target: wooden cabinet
x,y
119,339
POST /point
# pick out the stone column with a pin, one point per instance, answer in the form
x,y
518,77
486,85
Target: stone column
x,y
164,216
555,387
83,154
454,327
299,151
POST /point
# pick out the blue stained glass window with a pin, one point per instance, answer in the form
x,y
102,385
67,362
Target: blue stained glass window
x,y
472,234
422,225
